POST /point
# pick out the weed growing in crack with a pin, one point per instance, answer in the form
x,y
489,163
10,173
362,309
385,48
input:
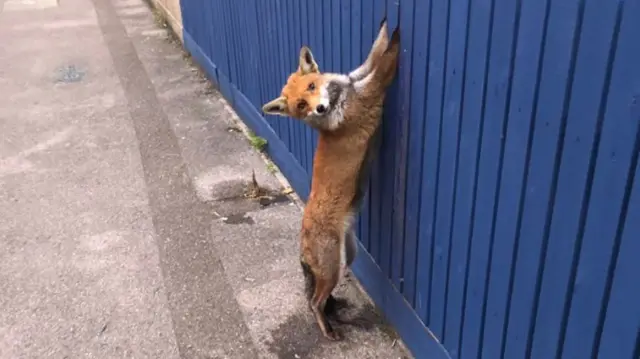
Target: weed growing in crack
x,y
257,142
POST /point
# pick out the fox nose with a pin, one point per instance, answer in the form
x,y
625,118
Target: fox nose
x,y
321,109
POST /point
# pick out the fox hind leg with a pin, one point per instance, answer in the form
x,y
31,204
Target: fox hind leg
x,y
318,303
309,279
321,302
333,304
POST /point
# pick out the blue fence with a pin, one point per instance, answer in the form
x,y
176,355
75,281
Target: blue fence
x,y
504,210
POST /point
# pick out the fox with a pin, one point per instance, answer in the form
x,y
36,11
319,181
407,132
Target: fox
x,y
346,111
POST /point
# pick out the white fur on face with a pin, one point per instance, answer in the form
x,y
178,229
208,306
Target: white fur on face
x,y
324,101
334,115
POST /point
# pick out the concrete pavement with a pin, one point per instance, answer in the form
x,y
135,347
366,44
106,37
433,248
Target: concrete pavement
x,y
125,231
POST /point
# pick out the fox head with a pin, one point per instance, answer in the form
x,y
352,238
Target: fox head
x,y
305,94
319,99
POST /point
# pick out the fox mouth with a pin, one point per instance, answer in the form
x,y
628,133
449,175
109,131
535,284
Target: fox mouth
x,y
320,121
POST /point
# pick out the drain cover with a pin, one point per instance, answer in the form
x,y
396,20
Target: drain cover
x,y
69,74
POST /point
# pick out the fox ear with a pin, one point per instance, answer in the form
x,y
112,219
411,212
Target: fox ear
x,y
307,63
276,107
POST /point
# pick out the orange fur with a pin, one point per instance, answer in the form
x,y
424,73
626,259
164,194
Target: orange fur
x,y
341,159
297,90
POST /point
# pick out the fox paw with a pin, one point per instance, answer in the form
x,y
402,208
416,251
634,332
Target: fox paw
x,y
333,335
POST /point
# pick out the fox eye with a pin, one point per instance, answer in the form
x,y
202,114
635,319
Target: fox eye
x,y
312,87
302,105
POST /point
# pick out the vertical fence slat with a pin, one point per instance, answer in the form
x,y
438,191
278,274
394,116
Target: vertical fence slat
x,y
252,50
240,32
218,48
345,35
318,35
402,124
231,43
613,172
327,24
477,87
280,57
299,29
263,61
547,116
292,54
356,31
284,58
468,152
306,40
573,183
503,14
451,101
303,40
376,185
366,35
236,32
620,337
205,36
256,53
215,40
315,43
386,157
266,66
299,41
493,314
197,29
416,151
294,33
334,32
514,336
521,107
223,49
279,75
230,51
355,23
434,91
436,95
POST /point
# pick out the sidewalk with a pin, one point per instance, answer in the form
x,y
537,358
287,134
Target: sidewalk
x,y
126,230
